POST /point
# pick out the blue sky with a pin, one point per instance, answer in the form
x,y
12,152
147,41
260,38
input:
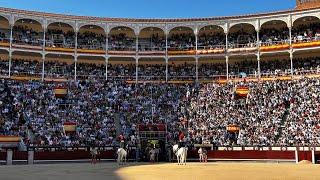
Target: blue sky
x,y
151,8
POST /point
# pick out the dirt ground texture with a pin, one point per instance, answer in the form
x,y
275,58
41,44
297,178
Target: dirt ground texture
x,y
133,171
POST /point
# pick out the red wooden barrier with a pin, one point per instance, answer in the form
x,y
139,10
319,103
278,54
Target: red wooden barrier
x,y
305,155
254,154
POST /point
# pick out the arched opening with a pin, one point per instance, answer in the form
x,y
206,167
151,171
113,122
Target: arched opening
x,y
91,37
58,66
182,69
121,68
211,68
4,31
152,39
242,35
275,64
27,32
211,38
26,64
181,39
152,69
4,63
243,66
91,67
274,33
306,62
121,39
306,29
60,35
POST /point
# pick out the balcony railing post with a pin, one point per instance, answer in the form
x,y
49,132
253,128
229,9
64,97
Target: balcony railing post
x,y
76,53
258,55
196,54
43,51
227,57
106,63
10,49
166,59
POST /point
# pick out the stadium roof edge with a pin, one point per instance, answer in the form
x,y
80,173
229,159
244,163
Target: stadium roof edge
x,y
92,18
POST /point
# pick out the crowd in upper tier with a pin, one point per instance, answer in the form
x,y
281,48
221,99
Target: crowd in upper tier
x,y
275,113
185,70
181,39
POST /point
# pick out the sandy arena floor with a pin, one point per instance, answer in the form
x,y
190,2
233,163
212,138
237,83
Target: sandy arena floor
x,y
210,171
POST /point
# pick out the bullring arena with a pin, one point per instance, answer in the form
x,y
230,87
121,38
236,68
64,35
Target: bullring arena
x,y
79,95
228,171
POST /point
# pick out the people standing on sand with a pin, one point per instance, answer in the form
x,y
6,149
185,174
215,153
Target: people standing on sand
x,y
94,153
200,152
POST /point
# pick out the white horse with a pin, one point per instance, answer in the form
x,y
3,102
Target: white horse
x,y
122,156
181,154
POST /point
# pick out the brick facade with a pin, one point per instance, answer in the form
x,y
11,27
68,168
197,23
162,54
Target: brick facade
x,y
307,4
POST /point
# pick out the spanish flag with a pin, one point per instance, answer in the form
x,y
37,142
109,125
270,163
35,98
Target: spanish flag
x,y
60,92
10,139
242,91
69,126
233,128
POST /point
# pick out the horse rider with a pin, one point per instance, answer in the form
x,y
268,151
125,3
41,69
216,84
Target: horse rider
x,y
205,155
122,140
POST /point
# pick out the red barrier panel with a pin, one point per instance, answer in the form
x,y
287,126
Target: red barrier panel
x,y
305,155
71,155
3,156
20,155
62,155
246,154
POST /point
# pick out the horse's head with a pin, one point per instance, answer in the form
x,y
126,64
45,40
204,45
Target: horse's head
x,y
175,148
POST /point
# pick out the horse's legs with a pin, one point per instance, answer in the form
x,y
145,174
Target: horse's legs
x,y
178,158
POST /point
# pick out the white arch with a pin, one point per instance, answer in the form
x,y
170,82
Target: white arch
x,y
112,27
214,25
93,24
253,24
6,18
157,27
265,21
302,15
171,29
298,18
26,18
67,23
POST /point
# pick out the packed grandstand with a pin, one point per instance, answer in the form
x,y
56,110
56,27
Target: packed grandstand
x,y
107,77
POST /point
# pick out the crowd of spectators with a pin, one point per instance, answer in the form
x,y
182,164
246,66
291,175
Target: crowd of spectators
x,y
306,32
302,126
121,42
274,112
146,71
181,41
154,43
59,38
211,41
26,35
90,40
274,36
177,41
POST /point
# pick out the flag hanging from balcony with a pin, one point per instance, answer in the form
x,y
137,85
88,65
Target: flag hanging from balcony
x,y
60,91
69,126
233,128
242,91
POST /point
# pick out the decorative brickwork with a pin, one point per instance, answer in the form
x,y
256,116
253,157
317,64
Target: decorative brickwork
x,y
307,4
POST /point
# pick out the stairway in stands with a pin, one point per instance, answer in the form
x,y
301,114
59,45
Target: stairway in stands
x,y
117,123
283,120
